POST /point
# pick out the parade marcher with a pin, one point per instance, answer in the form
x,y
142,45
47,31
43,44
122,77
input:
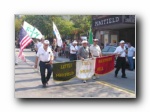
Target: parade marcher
x,y
84,52
130,55
121,59
95,51
55,48
73,51
45,55
39,44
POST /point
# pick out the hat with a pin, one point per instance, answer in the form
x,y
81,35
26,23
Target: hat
x,y
95,39
122,41
84,41
74,42
46,42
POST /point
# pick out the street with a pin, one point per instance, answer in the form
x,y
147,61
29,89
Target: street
x,y
28,83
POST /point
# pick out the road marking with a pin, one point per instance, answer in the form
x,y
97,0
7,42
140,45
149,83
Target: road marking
x,y
116,87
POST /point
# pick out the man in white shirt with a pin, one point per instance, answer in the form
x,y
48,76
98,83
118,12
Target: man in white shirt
x,y
73,51
95,51
45,55
121,60
131,54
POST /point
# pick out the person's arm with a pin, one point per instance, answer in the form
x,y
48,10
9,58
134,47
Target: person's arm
x,y
51,57
36,62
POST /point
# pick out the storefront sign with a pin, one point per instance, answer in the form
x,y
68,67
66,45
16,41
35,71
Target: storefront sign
x,y
129,19
107,21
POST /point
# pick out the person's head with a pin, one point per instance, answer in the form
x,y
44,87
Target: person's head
x,y
129,44
74,43
95,41
122,42
46,43
84,43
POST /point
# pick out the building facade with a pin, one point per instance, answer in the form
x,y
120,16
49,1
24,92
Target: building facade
x,y
110,29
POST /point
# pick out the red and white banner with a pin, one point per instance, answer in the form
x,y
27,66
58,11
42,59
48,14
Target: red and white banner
x,y
104,65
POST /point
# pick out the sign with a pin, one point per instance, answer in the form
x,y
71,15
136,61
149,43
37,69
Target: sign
x,y
107,20
64,71
104,65
129,19
85,69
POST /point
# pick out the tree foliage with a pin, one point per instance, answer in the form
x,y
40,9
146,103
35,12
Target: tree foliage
x,y
67,25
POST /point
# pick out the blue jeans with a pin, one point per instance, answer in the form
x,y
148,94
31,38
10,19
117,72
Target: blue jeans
x,y
131,63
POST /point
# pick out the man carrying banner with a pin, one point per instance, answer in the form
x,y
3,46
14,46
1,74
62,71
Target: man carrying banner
x,y
121,60
45,56
73,51
84,52
95,52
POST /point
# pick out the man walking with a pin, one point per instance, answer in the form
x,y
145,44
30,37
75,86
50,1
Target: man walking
x,y
84,52
131,54
121,60
45,56
95,51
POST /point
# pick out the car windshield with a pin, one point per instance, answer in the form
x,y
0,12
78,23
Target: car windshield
x,y
111,49
106,49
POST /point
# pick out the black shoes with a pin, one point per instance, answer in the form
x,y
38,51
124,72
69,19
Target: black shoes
x,y
124,77
44,85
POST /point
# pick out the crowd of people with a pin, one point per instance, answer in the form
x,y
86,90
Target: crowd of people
x,y
46,52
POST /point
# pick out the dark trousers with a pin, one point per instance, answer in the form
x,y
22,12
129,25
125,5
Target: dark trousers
x,y
43,67
73,57
121,63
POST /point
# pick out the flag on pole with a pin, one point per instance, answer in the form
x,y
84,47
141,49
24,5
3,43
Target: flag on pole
x,y
90,37
32,31
24,40
56,32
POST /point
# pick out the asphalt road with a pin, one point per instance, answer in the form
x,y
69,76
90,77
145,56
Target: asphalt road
x,y
28,84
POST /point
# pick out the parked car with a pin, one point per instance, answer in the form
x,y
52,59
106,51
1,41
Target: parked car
x,y
109,50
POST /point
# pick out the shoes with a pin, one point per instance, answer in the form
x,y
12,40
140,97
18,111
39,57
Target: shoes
x,y
115,75
44,85
124,77
84,81
94,77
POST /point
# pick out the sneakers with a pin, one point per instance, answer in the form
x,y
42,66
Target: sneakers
x,y
84,81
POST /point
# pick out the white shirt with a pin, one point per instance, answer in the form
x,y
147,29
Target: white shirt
x,y
131,51
73,48
44,55
95,50
121,51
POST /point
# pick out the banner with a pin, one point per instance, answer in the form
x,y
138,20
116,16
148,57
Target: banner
x,y
32,31
85,69
104,65
64,71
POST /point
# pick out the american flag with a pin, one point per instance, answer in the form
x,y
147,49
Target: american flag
x,y
24,40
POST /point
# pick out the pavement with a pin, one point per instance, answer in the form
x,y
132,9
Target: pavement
x,y
28,84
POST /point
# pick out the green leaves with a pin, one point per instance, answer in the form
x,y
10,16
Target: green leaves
x,y
67,25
